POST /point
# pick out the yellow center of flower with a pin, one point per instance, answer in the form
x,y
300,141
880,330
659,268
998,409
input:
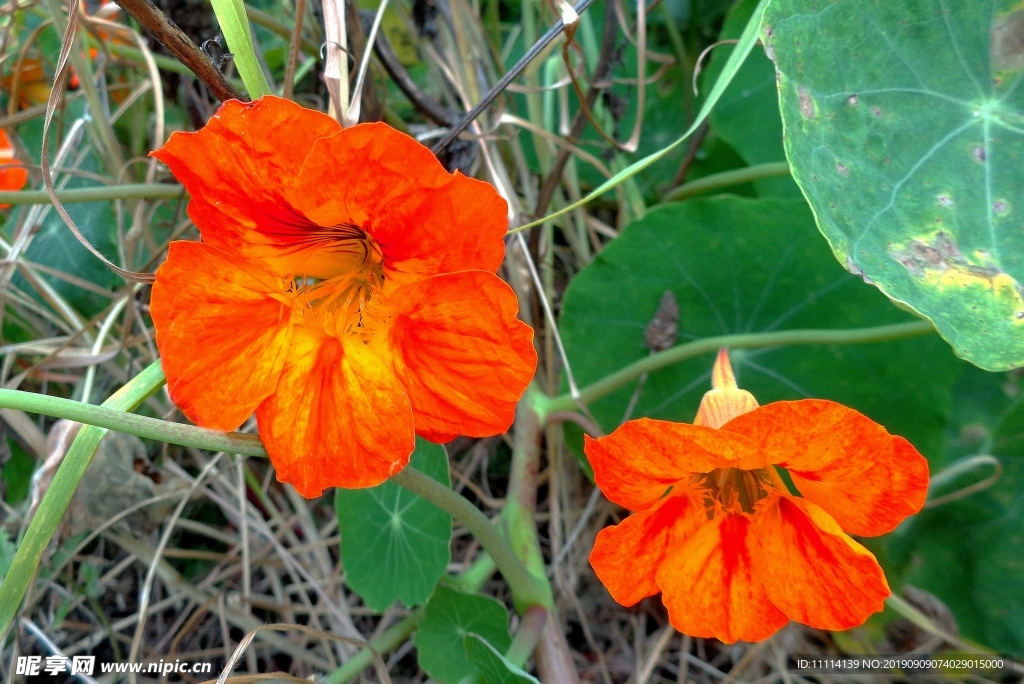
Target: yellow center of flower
x,y
349,303
733,490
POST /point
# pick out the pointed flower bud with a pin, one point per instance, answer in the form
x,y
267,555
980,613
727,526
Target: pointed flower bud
x,y
726,400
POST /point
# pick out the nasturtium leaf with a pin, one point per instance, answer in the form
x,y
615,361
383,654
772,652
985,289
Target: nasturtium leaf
x,y
904,126
744,266
448,618
54,246
970,552
493,667
395,545
747,117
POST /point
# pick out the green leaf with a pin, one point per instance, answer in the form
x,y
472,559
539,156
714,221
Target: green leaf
x,y
55,246
747,117
235,26
7,551
395,545
905,128
449,616
17,473
744,266
493,667
970,552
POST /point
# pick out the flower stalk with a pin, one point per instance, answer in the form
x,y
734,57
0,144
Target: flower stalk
x,y
528,589
58,496
708,345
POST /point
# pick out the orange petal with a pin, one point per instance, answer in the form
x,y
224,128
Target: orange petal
x,y
237,169
426,220
710,589
626,556
221,334
461,353
812,571
867,479
634,465
339,417
13,176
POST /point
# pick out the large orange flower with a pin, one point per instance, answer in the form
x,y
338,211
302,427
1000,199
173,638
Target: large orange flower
x,y
13,175
345,290
718,533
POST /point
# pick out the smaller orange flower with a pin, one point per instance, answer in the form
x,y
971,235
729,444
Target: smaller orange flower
x,y
717,531
13,175
29,84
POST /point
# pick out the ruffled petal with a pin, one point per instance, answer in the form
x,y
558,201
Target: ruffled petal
x,y
425,220
339,417
223,331
812,571
710,588
626,556
867,479
237,169
634,465
461,353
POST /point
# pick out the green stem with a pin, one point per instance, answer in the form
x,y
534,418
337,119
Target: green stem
x,y
525,586
525,641
143,426
392,638
708,345
58,496
527,590
96,194
469,582
726,179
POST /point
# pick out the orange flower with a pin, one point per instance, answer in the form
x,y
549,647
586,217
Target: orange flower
x,y
30,84
717,532
13,175
345,290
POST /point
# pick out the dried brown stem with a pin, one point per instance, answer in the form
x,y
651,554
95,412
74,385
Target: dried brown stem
x,y
428,107
167,33
579,122
293,49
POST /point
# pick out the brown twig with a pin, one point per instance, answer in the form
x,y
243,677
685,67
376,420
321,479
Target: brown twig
x,y
428,107
370,106
691,155
293,50
502,84
579,122
181,46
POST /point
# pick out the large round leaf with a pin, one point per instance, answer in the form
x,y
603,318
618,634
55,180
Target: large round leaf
x,y
395,545
904,125
739,266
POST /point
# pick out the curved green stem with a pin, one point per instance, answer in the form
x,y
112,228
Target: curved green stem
x,y
97,194
58,495
391,639
527,589
708,345
726,179
530,629
142,426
